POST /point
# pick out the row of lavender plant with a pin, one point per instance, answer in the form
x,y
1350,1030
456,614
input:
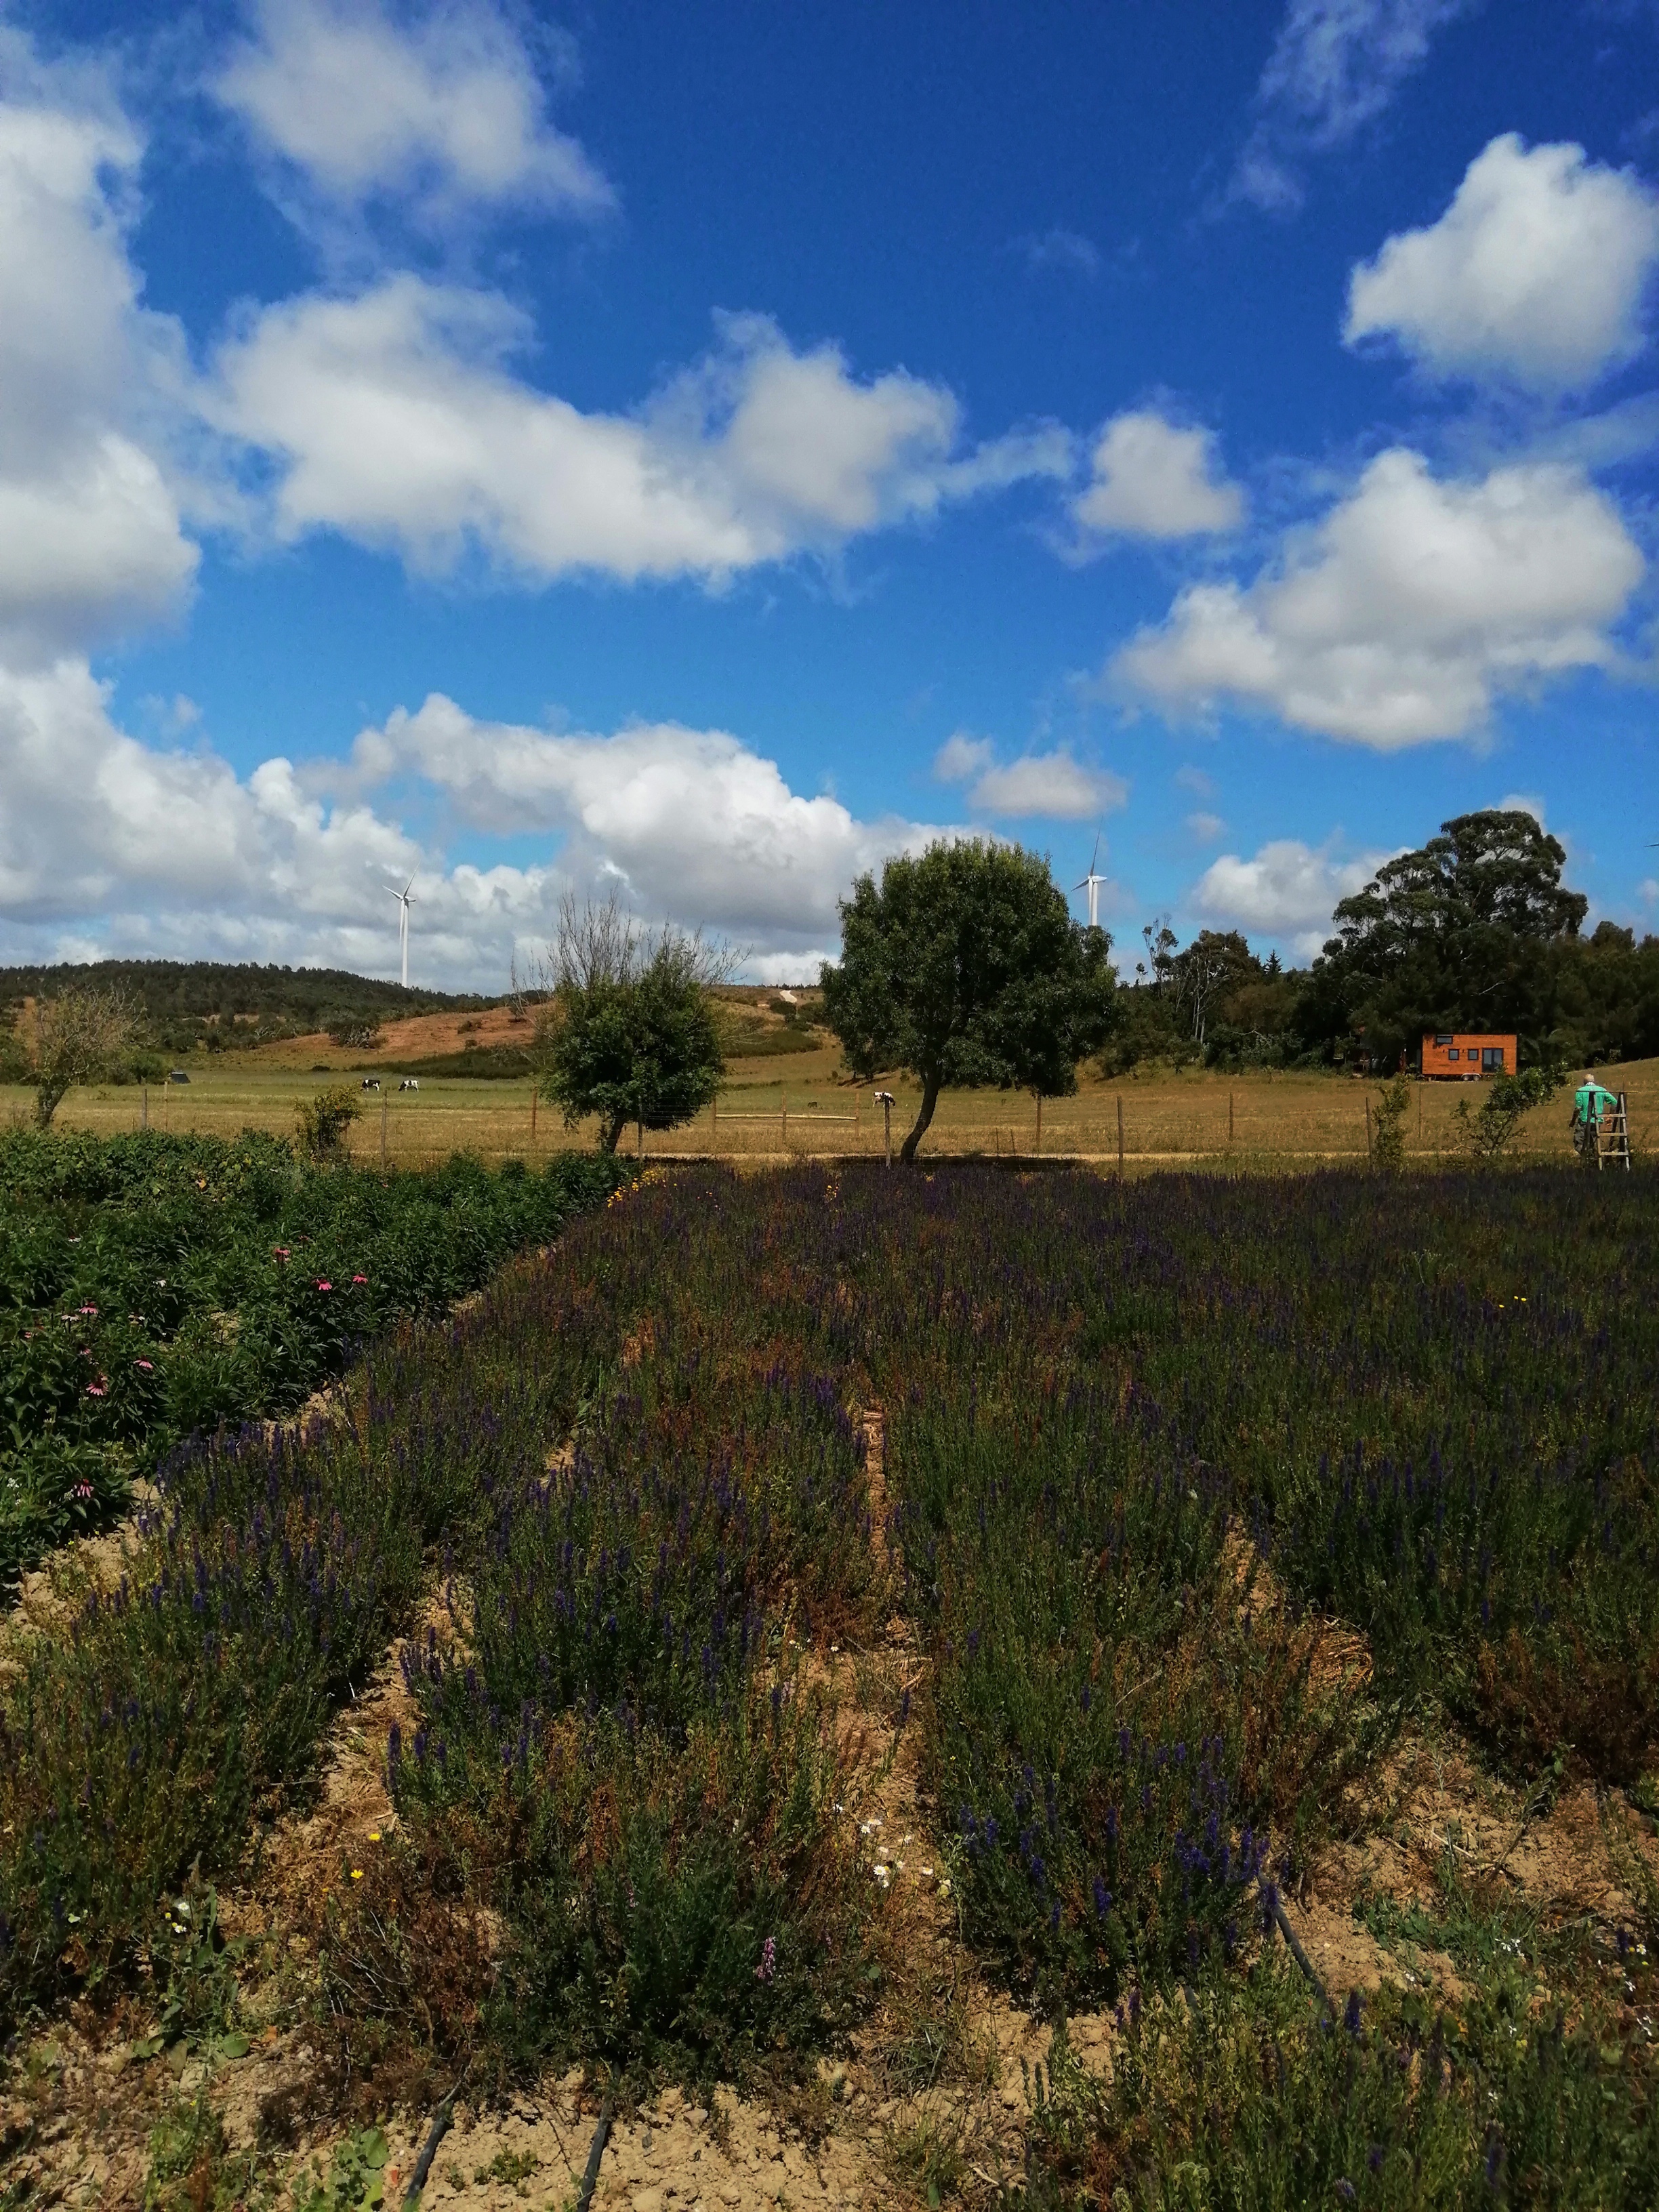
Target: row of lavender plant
x,y
145,1734
620,1741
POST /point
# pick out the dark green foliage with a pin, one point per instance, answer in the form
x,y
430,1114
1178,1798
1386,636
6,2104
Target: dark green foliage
x,y
361,1030
1389,1109
324,1122
633,1033
13,1053
1052,1541
1245,2099
1212,1001
680,1906
153,1285
1489,1130
966,967
1461,935
185,1004
1475,931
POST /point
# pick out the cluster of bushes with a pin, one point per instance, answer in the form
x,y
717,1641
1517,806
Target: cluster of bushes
x,y
153,1285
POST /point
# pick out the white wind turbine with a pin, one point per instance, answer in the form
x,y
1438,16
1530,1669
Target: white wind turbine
x,y
1091,884
405,899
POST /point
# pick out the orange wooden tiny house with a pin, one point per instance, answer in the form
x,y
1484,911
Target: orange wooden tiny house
x,y
1466,1056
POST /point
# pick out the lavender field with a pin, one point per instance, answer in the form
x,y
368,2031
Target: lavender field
x,y
1143,1525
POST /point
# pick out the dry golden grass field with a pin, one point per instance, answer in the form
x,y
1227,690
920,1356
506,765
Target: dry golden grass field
x,y
777,1104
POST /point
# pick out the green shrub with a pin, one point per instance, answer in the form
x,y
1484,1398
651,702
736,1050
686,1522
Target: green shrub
x,y
1243,2099
324,1120
1389,1145
154,1286
1489,1130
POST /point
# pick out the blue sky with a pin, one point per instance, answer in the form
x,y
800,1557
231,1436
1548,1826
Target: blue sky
x,y
707,451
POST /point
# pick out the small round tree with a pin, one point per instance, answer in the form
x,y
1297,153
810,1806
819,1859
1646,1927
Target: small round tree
x,y
627,1029
965,967
82,1035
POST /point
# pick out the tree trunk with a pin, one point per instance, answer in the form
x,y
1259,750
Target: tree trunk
x,y
929,1100
610,1132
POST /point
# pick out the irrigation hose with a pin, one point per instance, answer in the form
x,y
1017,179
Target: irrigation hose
x,y
591,2178
442,2120
1268,1893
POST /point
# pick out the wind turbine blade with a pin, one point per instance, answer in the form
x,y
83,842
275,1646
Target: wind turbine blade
x,y
1095,856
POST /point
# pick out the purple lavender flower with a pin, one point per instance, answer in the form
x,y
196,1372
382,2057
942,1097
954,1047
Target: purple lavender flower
x,y
768,1960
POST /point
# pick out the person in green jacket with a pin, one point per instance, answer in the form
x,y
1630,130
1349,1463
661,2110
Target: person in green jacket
x,y
1589,1103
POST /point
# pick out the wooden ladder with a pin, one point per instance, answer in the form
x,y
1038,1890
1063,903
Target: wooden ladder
x,y
1612,1137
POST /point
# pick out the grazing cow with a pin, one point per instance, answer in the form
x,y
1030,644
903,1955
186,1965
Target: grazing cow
x,y
409,1082
371,1083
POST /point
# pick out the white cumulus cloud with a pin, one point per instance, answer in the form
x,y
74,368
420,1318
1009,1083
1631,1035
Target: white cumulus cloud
x,y
91,543
1287,891
1152,479
1535,274
109,842
440,110
1052,785
396,419
1408,609
696,824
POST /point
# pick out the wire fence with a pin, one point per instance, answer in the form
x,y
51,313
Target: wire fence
x,y
1255,1122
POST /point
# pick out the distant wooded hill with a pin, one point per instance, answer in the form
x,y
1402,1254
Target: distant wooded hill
x,y
222,1004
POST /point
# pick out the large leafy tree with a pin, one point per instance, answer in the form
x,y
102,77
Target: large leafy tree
x,y
628,1029
1466,934
964,967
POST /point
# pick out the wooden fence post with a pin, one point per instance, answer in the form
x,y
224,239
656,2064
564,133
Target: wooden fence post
x,y
1039,1133
384,1108
1369,1161
1120,1140
783,1122
1230,1117
532,1116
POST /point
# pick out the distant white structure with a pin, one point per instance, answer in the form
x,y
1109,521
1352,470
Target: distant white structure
x,y
1091,883
405,899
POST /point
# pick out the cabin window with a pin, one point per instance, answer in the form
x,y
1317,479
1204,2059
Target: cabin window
x,y
1443,1039
1453,1053
1492,1056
